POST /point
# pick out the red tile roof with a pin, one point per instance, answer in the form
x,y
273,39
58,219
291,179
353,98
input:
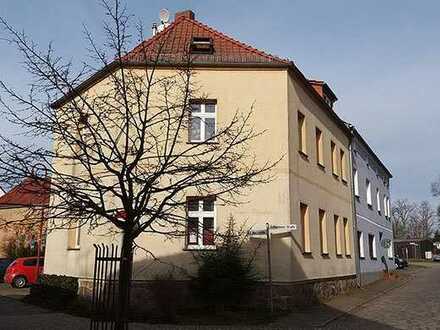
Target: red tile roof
x,y
28,193
172,45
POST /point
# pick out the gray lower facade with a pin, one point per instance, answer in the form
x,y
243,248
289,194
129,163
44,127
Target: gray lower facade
x,y
372,255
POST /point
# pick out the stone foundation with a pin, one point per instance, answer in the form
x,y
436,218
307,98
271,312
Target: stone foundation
x,y
153,297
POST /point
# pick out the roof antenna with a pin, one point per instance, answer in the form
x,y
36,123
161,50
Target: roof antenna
x,y
164,16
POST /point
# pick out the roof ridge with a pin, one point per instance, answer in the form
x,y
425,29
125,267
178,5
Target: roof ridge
x,y
235,41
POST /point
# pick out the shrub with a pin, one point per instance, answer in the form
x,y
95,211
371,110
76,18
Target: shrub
x,y
226,275
56,289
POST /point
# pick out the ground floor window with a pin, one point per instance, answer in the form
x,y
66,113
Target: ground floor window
x,y
74,235
372,246
200,222
347,237
305,224
338,230
361,244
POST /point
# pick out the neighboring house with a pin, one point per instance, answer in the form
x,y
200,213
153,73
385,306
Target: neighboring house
x,y
21,213
312,186
414,248
371,187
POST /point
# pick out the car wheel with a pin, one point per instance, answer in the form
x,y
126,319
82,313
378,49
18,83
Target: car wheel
x,y
19,282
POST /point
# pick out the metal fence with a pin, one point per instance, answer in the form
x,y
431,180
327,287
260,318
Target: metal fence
x,y
105,286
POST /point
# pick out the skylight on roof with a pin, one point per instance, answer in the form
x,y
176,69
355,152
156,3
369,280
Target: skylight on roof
x,y
202,45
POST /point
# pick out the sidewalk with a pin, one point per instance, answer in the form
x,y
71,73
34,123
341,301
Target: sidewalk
x,y
17,315
321,315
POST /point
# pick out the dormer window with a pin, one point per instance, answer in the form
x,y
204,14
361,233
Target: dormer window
x,y
202,45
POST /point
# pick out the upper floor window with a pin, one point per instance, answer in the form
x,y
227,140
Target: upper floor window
x,y
369,198
334,158
302,132
319,151
203,120
378,201
343,165
201,222
356,182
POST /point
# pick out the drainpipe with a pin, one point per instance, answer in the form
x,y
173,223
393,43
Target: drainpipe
x,y
353,199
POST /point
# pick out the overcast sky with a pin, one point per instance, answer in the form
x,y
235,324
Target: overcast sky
x,y
381,58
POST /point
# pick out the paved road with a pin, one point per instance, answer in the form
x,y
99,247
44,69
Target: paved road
x,y
416,305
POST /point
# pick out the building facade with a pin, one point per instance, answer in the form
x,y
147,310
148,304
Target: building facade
x,y
312,181
374,230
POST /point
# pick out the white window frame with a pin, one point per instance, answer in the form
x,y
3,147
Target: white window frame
x,y
378,201
356,182
388,208
203,115
200,214
385,209
374,247
369,199
361,245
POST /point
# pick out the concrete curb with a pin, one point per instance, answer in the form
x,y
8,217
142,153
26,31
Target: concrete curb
x,y
358,306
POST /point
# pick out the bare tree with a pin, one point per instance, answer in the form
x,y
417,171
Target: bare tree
x,y
412,220
120,156
402,212
423,222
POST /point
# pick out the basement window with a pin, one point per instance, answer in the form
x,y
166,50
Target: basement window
x,y
202,45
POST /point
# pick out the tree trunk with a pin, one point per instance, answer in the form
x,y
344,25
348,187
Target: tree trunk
x,y
125,272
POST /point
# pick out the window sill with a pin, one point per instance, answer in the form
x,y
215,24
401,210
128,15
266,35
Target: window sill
x,y
362,258
335,176
303,155
77,248
344,181
307,254
321,167
199,247
373,258
370,206
348,256
203,142
325,254
358,198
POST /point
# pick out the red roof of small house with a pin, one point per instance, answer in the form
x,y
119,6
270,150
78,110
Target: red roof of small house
x,y
29,192
172,46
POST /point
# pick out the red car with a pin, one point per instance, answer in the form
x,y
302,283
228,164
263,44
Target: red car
x,y
23,271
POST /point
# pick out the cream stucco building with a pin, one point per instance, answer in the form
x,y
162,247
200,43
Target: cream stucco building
x,y
312,186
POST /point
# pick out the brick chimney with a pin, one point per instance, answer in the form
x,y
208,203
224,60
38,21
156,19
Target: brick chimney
x,y
184,14
324,91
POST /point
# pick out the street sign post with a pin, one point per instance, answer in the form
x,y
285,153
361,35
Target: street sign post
x,y
267,234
